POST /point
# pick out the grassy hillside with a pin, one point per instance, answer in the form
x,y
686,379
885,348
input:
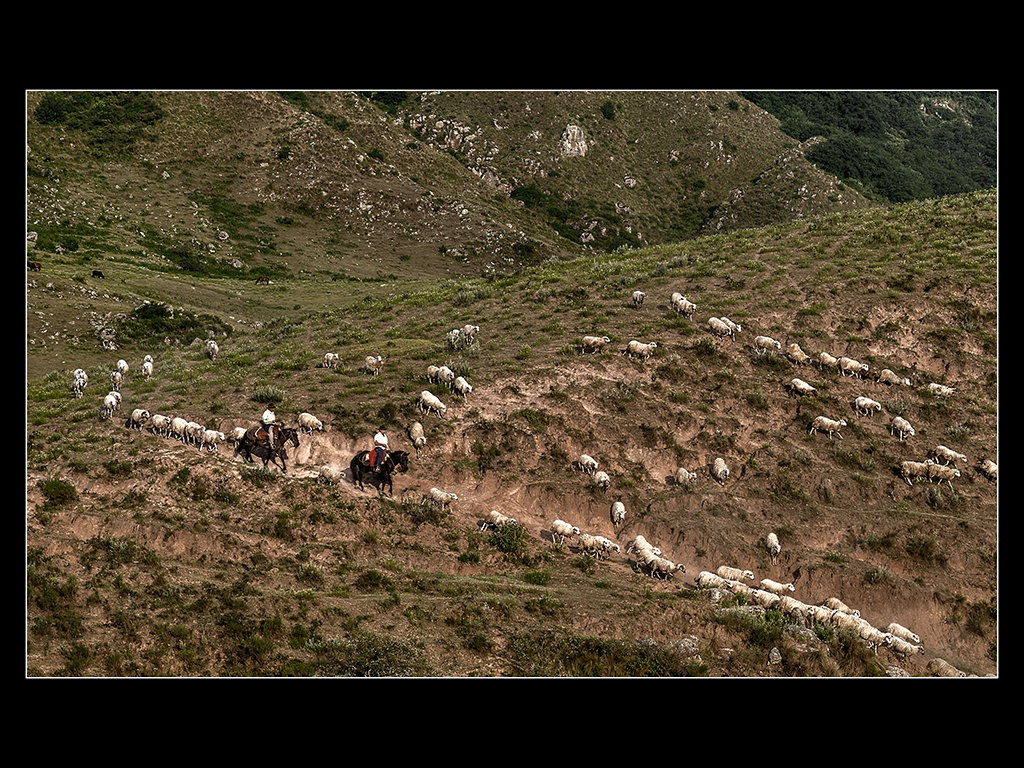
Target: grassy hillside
x,y
149,557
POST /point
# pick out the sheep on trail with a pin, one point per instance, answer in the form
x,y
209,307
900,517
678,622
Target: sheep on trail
x,y
79,383
797,355
708,580
683,476
495,519
825,360
212,350
942,668
734,327
638,299
561,529
942,472
446,376
639,349
116,379
329,476
734,574
211,440
147,369
851,366
800,387
419,440
901,647
990,469
764,344
946,455
429,402
161,425
940,390
440,498
308,423
433,374
898,630
602,480
777,587
901,425
593,344
720,328
111,402
823,424
681,305
179,426
122,368
587,463
236,435
664,566
138,419
720,471
838,605
865,405
887,377
618,513
912,469
640,543
462,387
774,548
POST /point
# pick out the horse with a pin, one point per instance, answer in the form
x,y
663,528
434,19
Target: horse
x,y
257,437
360,469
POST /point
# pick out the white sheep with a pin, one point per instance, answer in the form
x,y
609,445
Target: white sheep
x,y
912,469
720,471
110,404
589,545
681,305
373,365
797,355
940,390
638,299
212,350
462,387
942,668
178,428
739,588
990,469
792,607
147,369
308,423
587,463
777,587
79,383
329,475
764,344
331,360
764,598
606,544
433,373
734,327
946,455
666,567
851,366
122,368
874,637
865,405
429,402
898,630
194,433
824,424
211,439
440,498
719,327
469,332
138,419
161,425
901,425
683,476
116,379
801,387
641,543
602,480
845,620
825,360
236,435
495,519
771,542
147,359
708,580
734,574
942,472
618,513
901,647
593,344
418,438
639,349
820,613
446,376
561,529
838,605
887,377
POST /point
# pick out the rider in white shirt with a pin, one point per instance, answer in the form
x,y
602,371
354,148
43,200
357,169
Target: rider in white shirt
x,y
380,445
268,420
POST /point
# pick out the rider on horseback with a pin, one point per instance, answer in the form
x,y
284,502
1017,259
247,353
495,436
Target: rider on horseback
x,y
380,447
269,423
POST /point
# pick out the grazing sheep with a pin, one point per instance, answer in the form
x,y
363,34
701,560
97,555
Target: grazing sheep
x,y
682,306
446,376
851,366
887,377
593,344
777,587
800,387
433,372
901,647
940,390
639,349
462,387
942,668
440,498
138,418
469,332
329,476
865,405
720,471
901,425
308,423
419,440
161,425
824,424
912,469
838,605
638,299
734,574
825,360
147,369
331,360
990,469
211,439
942,472
602,480
429,402
898,630
797,355
116,379
618,513
640,543
587,463
774,548
708,580
946,455
110,404
561,529
735,327
212,350
683,476
373,365
495,519
764,344
720,328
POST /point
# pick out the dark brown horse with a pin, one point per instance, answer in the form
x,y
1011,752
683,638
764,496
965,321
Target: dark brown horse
x,y
256,437
359,469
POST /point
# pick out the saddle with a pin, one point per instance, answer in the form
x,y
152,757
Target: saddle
x,y
262,436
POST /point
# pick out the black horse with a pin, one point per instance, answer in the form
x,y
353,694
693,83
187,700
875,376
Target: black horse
x,y
360,471
255,438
